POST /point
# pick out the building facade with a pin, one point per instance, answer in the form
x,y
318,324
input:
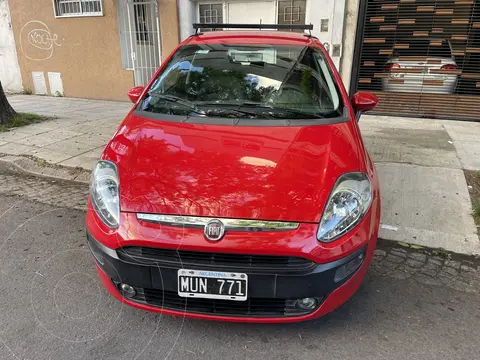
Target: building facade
x,y
421,57
94,49
9,69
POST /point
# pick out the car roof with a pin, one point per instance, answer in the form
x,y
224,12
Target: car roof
x,y
254,37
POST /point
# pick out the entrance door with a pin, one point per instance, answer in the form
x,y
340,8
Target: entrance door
x,y
248,12
140,38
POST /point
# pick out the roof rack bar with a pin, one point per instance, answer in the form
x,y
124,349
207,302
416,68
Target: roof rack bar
x,y
197,26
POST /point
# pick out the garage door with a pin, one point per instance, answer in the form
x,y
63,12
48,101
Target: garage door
x,y
421,57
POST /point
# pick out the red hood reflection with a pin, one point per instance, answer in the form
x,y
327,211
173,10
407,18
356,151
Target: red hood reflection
x,y
270,173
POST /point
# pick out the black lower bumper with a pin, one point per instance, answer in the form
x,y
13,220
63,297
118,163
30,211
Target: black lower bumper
x,y
270,292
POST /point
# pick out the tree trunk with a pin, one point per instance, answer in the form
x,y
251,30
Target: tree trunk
x,y
6,111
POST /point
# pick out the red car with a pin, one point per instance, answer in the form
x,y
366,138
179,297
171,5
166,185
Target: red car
x,y
238,187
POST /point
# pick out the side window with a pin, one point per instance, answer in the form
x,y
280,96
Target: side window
x,y
329,91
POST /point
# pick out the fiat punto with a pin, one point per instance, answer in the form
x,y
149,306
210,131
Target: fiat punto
x,y
238,187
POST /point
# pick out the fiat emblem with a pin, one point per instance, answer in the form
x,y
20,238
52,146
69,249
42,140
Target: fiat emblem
x,y
214,230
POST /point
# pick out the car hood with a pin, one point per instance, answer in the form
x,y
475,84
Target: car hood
x,y
248,172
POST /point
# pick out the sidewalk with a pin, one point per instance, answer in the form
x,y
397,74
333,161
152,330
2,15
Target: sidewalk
x,y
420,164
75,138
425,199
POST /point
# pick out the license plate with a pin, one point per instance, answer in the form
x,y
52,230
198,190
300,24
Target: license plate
x,y
212,285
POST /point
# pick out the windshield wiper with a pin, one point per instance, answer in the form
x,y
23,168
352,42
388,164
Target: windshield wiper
x,y
274,109
172,98
225,108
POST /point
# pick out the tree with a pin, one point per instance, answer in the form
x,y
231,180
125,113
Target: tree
x,y
6,111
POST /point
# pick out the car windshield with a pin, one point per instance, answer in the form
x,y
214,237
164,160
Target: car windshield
x,y
246,81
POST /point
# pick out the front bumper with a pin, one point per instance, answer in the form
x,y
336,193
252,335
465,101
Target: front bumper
x,y
301,267
272,291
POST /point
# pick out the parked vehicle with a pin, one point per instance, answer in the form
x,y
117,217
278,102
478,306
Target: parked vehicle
x,y
238,187
421,65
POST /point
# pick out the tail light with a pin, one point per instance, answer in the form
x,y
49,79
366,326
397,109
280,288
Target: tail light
x,y
389,67
449,67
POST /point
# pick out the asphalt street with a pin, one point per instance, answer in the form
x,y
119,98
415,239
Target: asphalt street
x,y
53,307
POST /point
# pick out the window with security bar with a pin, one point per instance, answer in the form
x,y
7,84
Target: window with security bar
x,y
143,22
73,8
292,12
210,14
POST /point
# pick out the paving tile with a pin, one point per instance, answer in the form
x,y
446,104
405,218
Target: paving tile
x,y
38,140
85,162
425,144
47,137
16,149
106,132
49,155
469,154
91,139
88,128
107,124
463,130
71,147
66,123
42,126
95,153
428,206
13,135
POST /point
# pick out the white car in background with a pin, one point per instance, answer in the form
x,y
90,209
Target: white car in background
x,y
421,65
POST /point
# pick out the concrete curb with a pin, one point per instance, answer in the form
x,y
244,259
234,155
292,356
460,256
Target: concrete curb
x,y
39,167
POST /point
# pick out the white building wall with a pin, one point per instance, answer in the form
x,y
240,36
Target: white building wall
x,y
332,11
9,68
187,15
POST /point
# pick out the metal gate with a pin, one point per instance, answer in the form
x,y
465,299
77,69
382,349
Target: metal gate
x,y
140,38
421,57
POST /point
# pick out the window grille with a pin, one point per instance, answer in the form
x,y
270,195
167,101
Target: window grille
x,y
73,8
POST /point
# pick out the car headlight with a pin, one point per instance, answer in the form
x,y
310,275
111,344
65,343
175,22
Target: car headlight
x,y
349,201
105,192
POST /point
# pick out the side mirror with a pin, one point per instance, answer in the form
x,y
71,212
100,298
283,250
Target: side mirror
x,y
134,94
363,101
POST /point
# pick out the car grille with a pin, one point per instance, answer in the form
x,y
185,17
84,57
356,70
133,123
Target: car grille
x,y
256,307
183,258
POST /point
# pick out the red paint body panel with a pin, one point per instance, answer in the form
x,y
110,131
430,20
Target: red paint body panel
x,y
273,173
269,173
135,93
364,101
